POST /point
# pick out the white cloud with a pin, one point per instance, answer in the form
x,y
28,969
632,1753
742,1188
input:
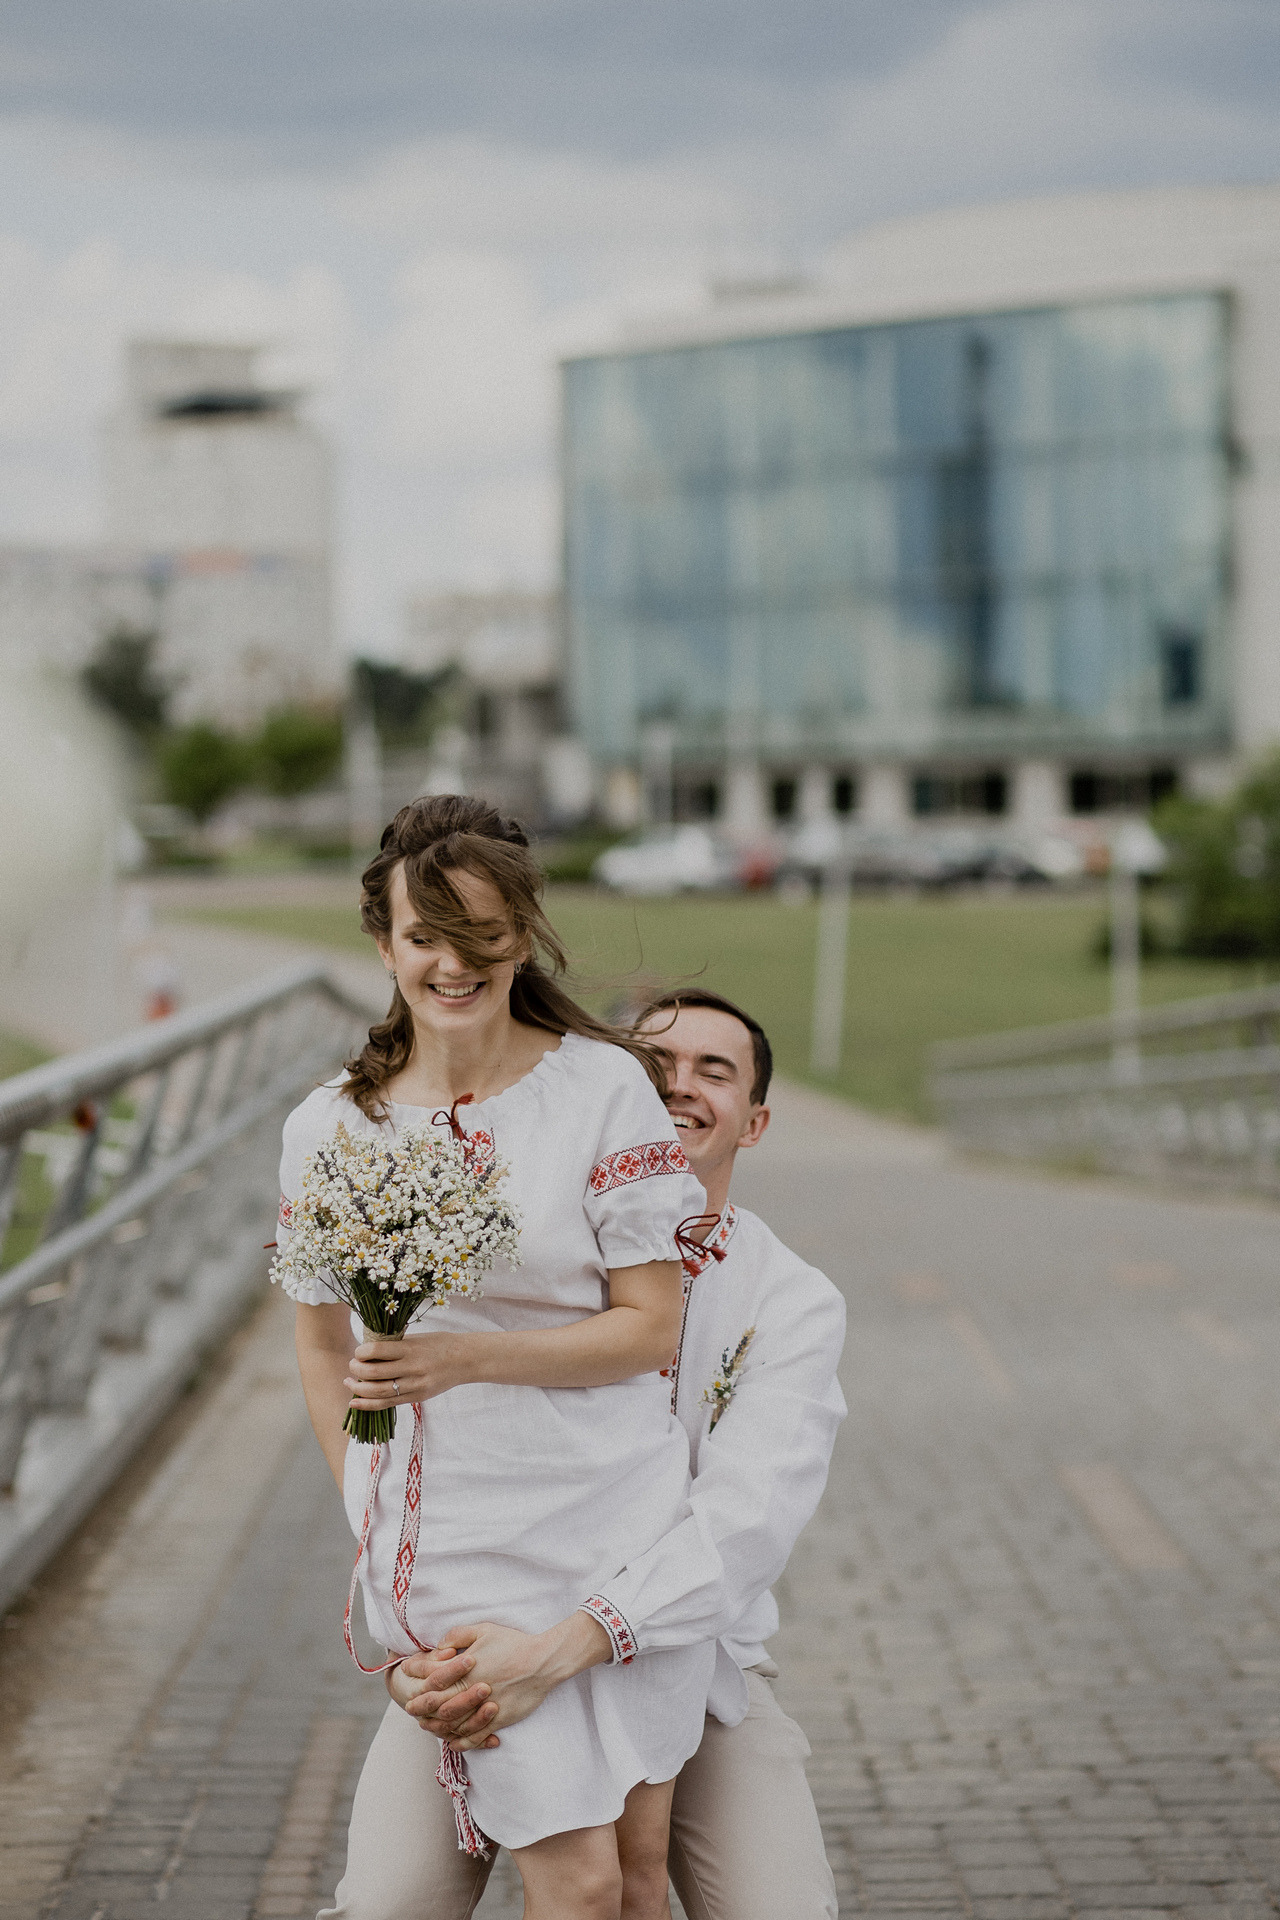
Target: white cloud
x,y
464,374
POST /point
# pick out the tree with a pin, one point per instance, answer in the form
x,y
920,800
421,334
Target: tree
x,y
406,707
121,678
201,767
1225,862
298,748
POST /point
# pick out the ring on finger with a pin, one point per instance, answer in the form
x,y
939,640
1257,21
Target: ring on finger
x,y
395,1388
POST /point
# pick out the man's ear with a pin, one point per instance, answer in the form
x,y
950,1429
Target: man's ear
x,y
754,1131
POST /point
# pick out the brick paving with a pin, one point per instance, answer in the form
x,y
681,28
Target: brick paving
x,y
1021,1702
1034,1634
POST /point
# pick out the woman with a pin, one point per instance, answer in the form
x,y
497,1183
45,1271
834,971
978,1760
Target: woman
x,y
551,1457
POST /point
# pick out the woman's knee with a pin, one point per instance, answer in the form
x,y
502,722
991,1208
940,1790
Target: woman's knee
x,y
572,1876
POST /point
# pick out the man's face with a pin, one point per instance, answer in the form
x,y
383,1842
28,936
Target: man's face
x,y
711,1068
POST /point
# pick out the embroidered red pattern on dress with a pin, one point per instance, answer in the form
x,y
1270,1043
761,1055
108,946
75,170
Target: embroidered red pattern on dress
x,y
621,1637
479,1147
637,1163
286,1212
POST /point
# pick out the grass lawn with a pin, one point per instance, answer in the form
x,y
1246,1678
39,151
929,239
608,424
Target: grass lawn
x,y
16,1054
919,969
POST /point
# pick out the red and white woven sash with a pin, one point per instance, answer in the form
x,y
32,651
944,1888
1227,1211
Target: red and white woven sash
x,y
452,1771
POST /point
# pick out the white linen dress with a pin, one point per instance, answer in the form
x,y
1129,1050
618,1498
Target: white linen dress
x,y
534,1498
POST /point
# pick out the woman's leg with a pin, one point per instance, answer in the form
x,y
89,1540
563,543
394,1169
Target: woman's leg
x,y
642,1852
403,1861
571,1876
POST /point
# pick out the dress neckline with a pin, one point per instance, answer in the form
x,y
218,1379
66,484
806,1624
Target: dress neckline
x,y
536,1072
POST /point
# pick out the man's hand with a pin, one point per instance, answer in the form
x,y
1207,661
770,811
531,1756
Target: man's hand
x,y
507,1674
442,1674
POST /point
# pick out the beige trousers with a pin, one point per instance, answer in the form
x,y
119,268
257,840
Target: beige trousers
x,y
745,1840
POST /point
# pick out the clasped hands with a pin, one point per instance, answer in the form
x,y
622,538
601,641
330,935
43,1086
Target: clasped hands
x,y
484,1677
444,1692
420,1366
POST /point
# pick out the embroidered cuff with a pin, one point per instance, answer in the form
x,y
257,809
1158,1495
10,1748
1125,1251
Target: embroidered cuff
x,y
621,1638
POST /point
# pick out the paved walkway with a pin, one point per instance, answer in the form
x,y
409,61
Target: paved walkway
x,y
83,975
1034,1634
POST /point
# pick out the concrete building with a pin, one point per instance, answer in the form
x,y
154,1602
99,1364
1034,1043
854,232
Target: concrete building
x,y
987,522
224,492
510,742
217,511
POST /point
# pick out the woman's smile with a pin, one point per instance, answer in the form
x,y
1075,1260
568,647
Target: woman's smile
x,y
468,992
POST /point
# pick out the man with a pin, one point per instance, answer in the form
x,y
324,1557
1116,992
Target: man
x,y
754,1383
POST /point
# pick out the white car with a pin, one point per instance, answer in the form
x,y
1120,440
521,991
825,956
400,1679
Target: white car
x,y
687,860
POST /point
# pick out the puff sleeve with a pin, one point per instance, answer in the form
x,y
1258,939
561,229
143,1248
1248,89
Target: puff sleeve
x,y
640,1186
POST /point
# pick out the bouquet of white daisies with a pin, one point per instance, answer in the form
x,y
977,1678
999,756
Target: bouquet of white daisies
x,y
392,1228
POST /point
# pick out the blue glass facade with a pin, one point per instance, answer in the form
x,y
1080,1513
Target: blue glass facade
x,y
968,536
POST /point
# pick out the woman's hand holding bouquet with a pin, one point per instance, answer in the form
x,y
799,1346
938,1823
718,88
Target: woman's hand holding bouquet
x,y
390,1373
393,1229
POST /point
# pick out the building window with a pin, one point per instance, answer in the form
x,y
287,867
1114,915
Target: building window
x,y
704,800
1095,792
730,445
1180,667
933,793
783,795
844,793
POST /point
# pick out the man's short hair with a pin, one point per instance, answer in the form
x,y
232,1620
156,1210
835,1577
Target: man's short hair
x,y
761,1051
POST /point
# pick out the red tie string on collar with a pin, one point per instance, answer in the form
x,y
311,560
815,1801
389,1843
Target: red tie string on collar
x,y
448,1117
692,1251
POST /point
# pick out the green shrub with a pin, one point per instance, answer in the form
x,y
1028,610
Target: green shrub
x,y
571,861
200,767
298,748
1225,865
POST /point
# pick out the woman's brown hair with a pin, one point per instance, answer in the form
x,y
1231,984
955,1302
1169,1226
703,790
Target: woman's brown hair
x,y
433,838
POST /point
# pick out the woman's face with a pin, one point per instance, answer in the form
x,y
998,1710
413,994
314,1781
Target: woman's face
x,y
445,994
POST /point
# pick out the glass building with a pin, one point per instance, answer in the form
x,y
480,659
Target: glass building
x,y
946,545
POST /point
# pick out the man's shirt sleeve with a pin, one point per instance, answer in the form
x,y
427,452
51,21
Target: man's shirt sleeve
x,y
760,1477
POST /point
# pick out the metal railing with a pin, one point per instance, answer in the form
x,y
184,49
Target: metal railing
x,y
137,1187
1189,1091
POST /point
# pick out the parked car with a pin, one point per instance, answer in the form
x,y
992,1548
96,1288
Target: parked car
x,y
689,859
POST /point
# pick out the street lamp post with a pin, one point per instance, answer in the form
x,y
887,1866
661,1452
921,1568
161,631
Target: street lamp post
x,y
1135,851
830,968
657,763
364,783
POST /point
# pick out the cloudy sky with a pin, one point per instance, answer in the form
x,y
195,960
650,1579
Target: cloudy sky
x,y
415,200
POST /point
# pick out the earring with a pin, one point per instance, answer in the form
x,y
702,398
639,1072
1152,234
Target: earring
x,y
519,966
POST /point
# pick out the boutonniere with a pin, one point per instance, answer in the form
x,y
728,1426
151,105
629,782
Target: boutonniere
x,y
724,1386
